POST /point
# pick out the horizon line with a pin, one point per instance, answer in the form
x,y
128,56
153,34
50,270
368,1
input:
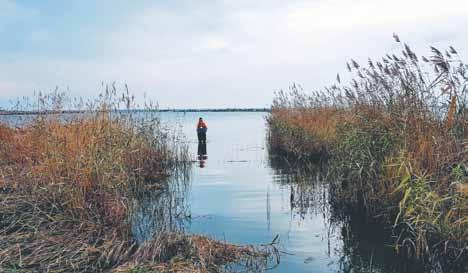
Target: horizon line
x,y
178,110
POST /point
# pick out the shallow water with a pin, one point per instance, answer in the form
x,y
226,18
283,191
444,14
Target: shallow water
x,y
237,196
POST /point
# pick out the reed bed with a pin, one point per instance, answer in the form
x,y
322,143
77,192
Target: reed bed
x,y
86,165
33,239
66,188
396,137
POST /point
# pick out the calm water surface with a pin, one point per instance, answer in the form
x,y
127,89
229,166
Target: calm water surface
x,y
236,195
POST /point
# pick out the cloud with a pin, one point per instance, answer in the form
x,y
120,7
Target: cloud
x,y
214,53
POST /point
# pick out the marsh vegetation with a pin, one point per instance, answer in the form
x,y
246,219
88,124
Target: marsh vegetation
x,y
359,177
71,188
394,145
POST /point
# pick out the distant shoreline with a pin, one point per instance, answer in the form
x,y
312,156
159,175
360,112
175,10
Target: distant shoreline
x,y
18,113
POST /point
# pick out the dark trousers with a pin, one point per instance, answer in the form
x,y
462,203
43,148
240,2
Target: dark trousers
x,y
201,149
201,138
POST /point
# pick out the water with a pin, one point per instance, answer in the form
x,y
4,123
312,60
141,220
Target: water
x,y
237,196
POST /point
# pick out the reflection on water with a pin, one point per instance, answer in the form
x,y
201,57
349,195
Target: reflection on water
x,y
246,197
363,247
159,209
202,154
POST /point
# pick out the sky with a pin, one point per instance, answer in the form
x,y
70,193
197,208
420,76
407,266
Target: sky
x,y
208,54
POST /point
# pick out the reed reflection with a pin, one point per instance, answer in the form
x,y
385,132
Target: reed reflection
x,y
161,209
358,244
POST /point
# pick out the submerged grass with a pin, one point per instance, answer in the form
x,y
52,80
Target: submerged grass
x,y
66,189
396,137
35,240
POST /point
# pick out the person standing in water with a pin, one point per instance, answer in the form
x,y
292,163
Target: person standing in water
x,y
201,131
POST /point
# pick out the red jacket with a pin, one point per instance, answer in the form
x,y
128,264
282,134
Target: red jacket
x,y
201,124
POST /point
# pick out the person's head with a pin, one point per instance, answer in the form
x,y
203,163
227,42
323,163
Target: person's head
x,y
200,119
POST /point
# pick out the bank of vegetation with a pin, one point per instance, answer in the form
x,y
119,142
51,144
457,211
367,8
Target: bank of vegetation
x,y
394,140
66,185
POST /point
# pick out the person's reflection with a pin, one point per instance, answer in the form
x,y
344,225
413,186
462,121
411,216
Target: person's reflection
x,y
202,155
202,163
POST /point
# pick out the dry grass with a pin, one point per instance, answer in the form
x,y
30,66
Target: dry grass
x,y
66,184
397,139
89,164
36,239
316,125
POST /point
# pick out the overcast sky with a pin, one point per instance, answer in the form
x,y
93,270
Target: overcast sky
x,y
216,53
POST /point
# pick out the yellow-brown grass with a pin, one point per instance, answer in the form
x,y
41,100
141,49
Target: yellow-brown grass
x,y
86,165
320,122
35,239
317,124
65,188
396,138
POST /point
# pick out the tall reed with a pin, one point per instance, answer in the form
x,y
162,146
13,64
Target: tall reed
x,y
68,182
87,163
397,136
